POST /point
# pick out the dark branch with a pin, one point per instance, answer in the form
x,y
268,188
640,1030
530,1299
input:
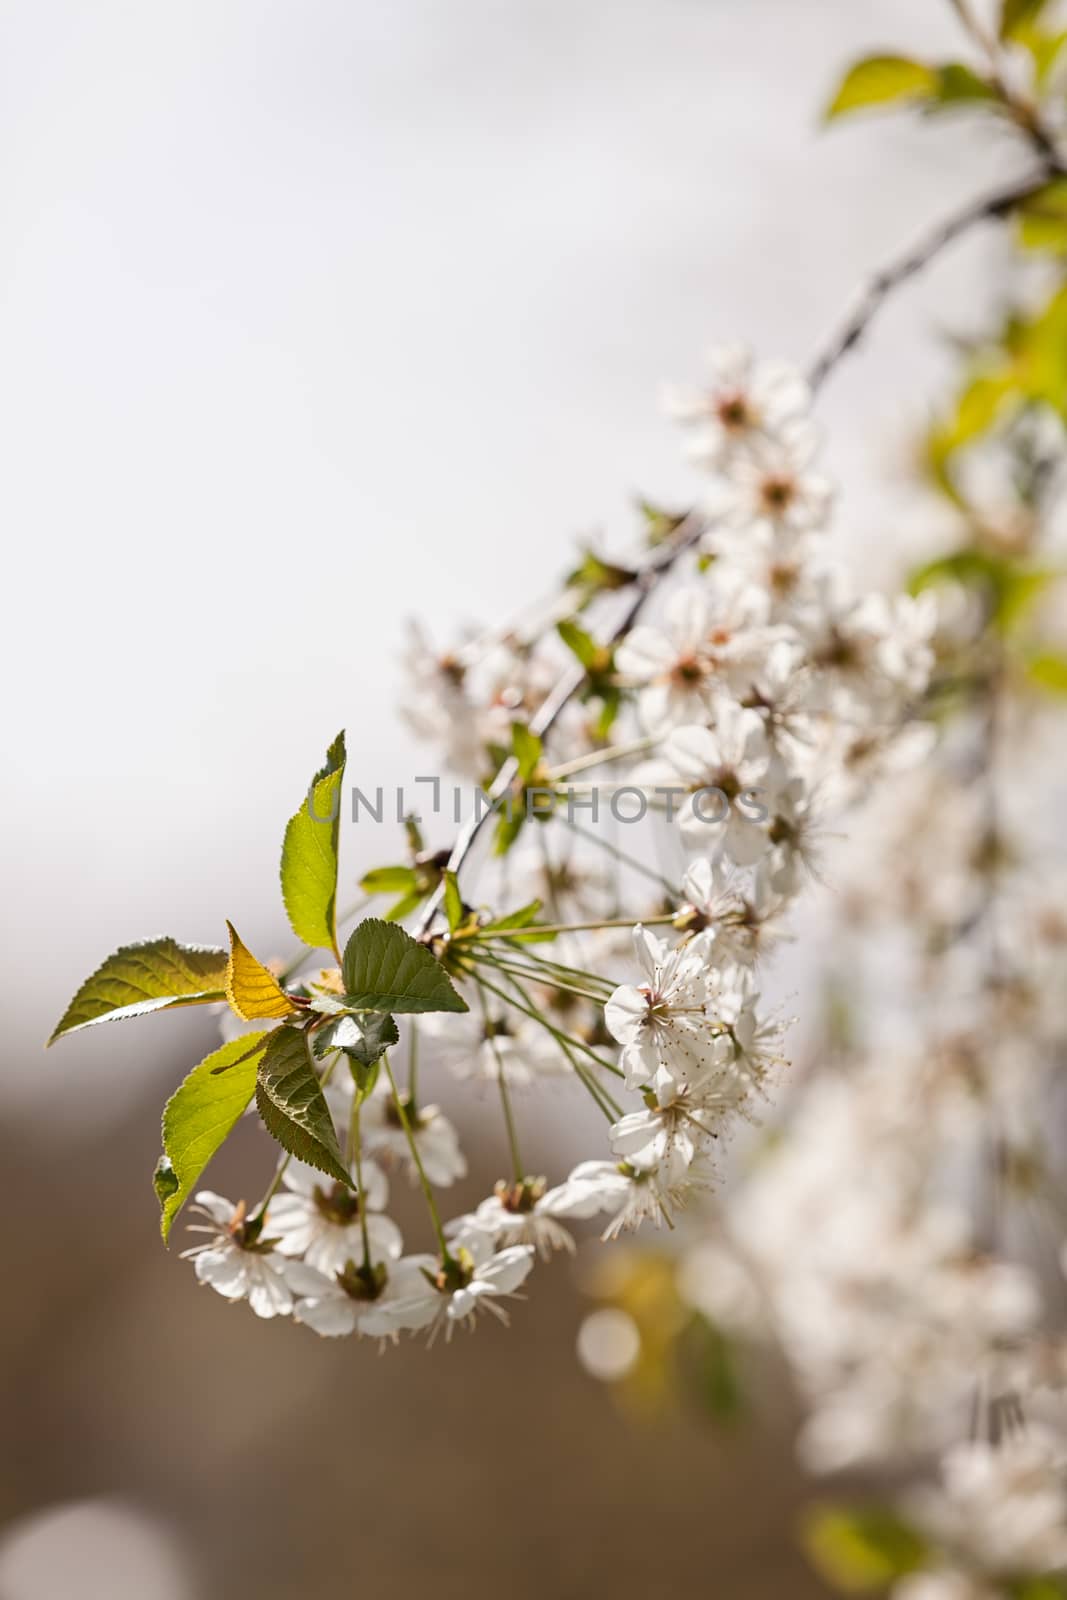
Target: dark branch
x,y
987,208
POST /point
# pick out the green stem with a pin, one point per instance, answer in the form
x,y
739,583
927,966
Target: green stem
x,y
603,1100
543,1021
536,930
427,1188
505,1099
622,856
413,1062
355,1154
599,758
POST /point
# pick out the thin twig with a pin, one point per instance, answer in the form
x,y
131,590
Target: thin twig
x,y
842,340
986,208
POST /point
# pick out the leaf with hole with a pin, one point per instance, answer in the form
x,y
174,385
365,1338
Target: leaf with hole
x,y
199,1117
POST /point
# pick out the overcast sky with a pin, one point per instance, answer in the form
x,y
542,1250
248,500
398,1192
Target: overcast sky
x,y
314,315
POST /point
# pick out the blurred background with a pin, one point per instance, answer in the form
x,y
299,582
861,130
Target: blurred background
x,y
312,317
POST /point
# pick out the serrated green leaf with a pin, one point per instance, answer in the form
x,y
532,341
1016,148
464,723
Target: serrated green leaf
x,y
153,976
199,1117
389,880
385,969
880,81
861,1550
363,1038
290,1100
309,855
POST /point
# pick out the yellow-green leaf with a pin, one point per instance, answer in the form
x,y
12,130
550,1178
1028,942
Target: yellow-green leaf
x,y
861,1550
139,978
1048,671
251,988
1018,14
882,80
309,855
200,1115
1042,220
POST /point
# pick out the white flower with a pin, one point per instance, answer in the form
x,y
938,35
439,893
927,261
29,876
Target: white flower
x,y
482,1043
662,1023
319,1219
632,1193
435,1138
680,1118
771,493
520,1213
726,770
742,920
455,1291
743,402
712,638
237,1265
868,655
339,1305
1001,1509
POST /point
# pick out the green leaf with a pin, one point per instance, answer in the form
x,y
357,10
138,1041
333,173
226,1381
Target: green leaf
x,y
1042,220
405,906
508,828
385,969
139,978
389,880
364,1076
293,1107
1045,50
453,902
515,919
1048,671
860,1550
1043,1588
363,1038
199,1117
579,643
1016,14
1010,587
309,855
881,80
594,576
958,85
526,747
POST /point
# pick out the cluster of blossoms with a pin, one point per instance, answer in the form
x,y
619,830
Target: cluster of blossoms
x,y
900,1238
750,693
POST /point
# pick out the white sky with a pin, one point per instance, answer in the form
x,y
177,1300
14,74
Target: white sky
x,y
316,314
